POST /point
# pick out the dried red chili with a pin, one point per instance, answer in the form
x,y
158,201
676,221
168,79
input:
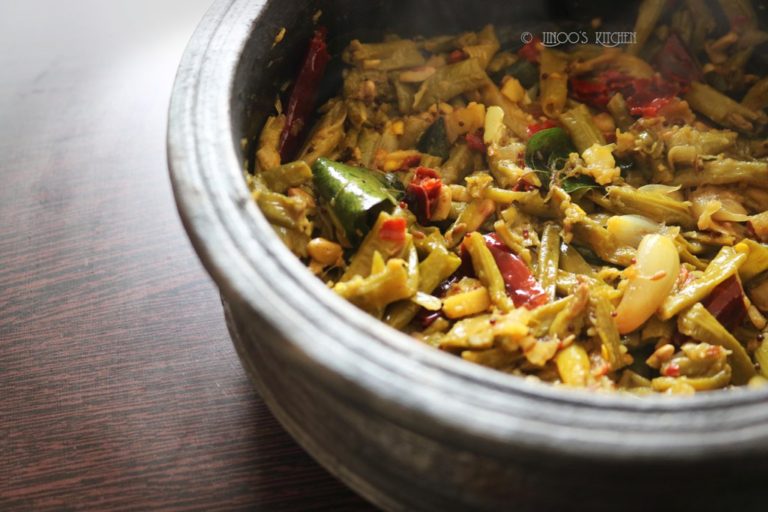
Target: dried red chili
x,y
302,100
457,56
410,161
393,229
475,141
675,62
644,96
531,51
423,193
520,284
726,303
672,370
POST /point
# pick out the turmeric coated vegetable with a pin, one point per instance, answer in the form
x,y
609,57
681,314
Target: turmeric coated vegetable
x,y
487,271
699,324
723,266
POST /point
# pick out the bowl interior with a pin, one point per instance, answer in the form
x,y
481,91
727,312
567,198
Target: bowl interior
x,y
262,75
231,235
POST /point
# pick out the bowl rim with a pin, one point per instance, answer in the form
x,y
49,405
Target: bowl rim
x,y
371,364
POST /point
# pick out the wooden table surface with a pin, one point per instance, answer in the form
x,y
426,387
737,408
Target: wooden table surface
x,y
119,386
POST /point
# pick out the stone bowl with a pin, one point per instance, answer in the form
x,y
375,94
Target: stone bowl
x,y
407,426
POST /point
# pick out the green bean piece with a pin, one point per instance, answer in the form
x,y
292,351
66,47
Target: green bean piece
x,y
458,165
757,96
699,324
497,358
722,109
440,44
375,292
756,262
506,196
758,294
578,122
716,381
268,154
617,106
281,210
295,240
568,282
513,240
724,265
550,318
549,258
287,175
397,54
655,329
360,265
724,171
703,23
449,81
685,248
368,143
326,135
571,319
572,261
654,205
427,239
711,142
487,271
647,17
601,317
631,380
433,270
553,81
739,12
515,118
413,128
532,203
485,48
573,365
470,218
591,233
405,94
472,333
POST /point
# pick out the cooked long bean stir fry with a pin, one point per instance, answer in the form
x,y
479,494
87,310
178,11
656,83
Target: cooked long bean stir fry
x,y
587,216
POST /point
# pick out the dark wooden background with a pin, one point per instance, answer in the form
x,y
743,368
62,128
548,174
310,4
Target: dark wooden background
x,y
119,386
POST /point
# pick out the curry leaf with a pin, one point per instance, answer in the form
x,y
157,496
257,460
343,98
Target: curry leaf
x,y
354,196
547,153
546,147
434,141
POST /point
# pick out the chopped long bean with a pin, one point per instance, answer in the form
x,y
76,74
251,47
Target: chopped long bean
x,y
723,266
487,271
699,324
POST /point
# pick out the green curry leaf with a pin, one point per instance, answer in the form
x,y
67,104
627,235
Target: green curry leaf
x,y
547,152
546,147
354,196
434,141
